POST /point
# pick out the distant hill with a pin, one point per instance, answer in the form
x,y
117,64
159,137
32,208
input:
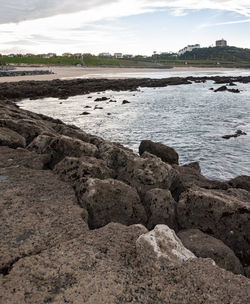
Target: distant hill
x,y
223,54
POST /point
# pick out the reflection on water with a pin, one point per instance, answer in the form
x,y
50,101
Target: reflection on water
x,y
190,118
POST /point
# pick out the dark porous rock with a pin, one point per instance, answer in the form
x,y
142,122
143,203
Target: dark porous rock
x,y
231,84
189,176
125,102
11,138
242,182
247,271
71,131
111,100
160,207
167,154
234,90
219,213
206,246
108,201
142,173
87,107
85,113
98,108
102,98
62,146
72,169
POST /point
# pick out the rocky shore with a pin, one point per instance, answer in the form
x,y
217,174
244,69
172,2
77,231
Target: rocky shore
x,y
66,88
23,73
84,220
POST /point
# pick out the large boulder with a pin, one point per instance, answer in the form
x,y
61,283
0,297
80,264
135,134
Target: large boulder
x,y
161,247
72,169
110,200
11,138
165,153
220,214
160,207
206,246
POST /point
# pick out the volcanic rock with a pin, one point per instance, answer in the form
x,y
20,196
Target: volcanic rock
x,y
108,201
160,207
206,246
11,138
242,182
165,153
220,214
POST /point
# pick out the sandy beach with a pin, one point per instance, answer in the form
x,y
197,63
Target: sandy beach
x,y
65,72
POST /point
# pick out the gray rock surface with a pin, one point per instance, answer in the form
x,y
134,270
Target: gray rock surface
x,y
11,138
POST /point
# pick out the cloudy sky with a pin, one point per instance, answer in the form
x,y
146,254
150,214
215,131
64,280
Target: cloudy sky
x,y
128,26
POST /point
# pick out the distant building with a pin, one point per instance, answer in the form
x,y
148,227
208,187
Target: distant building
x,y
188,48
67,55
118,55
128,56
221,43
105,55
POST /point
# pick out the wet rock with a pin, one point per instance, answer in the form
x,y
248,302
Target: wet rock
x,y
85,113
160,207
87,107
220,214
236,134
72,169
105,202
165,153
98,108
11,138
102,98
206,246
221,89
125,102
111,100
242,182
247,271
161,247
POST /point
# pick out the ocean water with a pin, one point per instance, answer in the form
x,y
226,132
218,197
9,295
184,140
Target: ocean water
x,y
190,118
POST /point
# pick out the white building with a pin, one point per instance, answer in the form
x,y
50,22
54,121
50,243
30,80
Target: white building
x,y
188,48
105,55
118,55
221,43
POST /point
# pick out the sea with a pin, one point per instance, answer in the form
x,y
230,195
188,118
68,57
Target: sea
x,y
189,118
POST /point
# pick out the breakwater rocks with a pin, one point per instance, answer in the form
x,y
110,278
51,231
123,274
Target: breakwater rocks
x,y
84,220
23,73
65,88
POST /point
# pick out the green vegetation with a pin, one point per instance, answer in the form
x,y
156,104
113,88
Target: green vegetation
x,y
217,56
39,60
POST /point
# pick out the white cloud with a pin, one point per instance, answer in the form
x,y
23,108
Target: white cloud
x,y
50,24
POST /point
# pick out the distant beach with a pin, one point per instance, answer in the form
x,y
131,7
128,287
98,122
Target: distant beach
x,y
65,72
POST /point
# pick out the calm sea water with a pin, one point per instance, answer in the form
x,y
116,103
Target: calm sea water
x,y
190,118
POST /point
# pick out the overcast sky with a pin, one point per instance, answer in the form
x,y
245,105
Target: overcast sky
x,y
128,26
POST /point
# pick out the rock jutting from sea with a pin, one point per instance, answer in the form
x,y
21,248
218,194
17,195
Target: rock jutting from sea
x,y
84,220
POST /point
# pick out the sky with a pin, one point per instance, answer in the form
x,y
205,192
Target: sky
x,y
127,26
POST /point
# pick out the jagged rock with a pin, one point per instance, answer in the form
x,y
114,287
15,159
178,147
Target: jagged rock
x,y
242,182
101,99
236,134
160,207
206,246
110,200
193,165
161,247
71,131
11,138
85,113
37,210
125,102
220,214
221,89
247,271
166,154
72,169
40,144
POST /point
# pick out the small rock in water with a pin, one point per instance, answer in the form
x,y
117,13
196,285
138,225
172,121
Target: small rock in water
x,y
112,100
236,134
85,113
101,98
87,107
98,108
108,114
89,96
125,102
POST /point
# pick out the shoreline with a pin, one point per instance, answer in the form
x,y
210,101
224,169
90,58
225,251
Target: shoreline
x,y
69,72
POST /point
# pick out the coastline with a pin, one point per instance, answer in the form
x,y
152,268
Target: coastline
x,y
69,72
